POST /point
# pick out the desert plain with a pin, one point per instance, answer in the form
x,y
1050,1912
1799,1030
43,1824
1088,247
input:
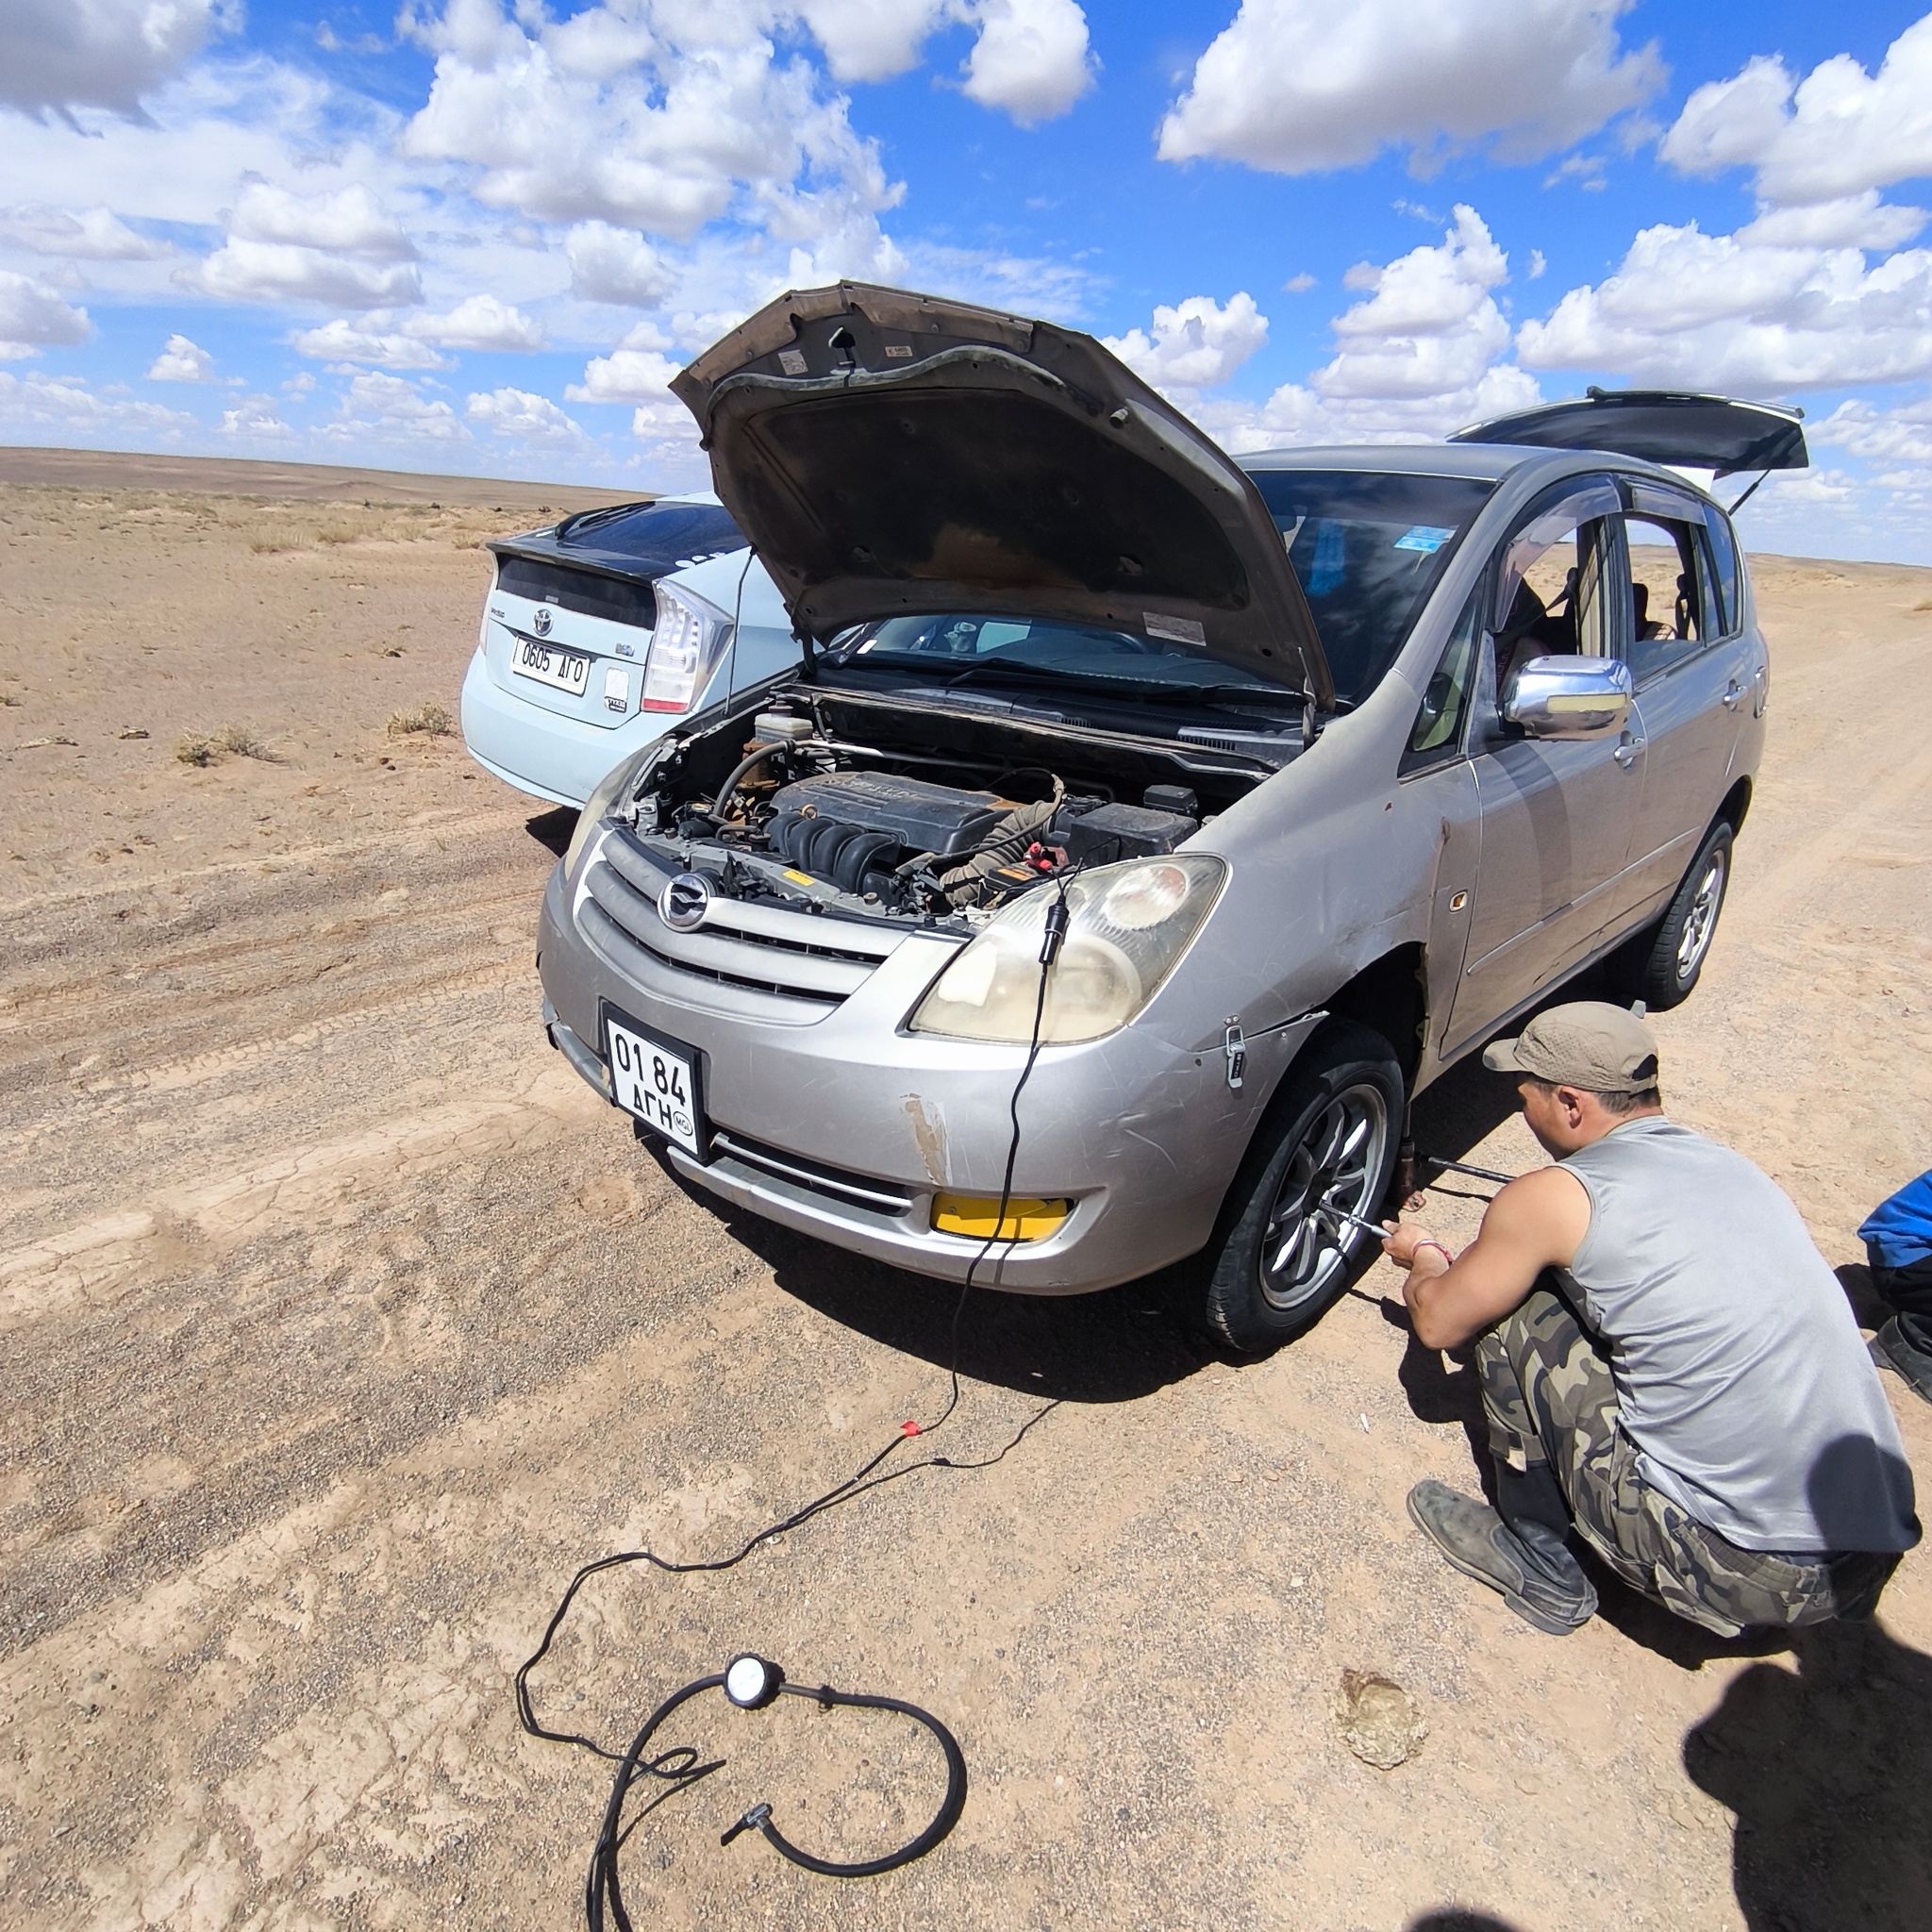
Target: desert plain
x,y
341,1323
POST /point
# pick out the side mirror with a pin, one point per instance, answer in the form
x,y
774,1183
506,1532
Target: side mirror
x,y
1568,697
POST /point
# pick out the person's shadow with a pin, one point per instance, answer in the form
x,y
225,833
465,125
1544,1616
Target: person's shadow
x,y
1828,1769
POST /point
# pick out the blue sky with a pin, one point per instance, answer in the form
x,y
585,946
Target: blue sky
x,y
479,234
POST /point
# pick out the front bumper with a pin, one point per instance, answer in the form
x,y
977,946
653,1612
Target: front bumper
x,y
844,1125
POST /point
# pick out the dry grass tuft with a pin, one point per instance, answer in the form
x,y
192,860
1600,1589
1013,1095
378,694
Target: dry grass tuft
x,y
231,740
430,720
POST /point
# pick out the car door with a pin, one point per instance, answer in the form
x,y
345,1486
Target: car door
x,y
1693,676
1557,818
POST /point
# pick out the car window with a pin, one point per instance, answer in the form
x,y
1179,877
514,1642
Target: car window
x,y
1369,547
1670,604
1553,592
1726,572
1437,731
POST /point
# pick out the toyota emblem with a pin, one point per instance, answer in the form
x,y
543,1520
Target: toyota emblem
x,y
541,623
681,904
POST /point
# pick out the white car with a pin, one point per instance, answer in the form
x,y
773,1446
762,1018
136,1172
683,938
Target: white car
x,y
602,632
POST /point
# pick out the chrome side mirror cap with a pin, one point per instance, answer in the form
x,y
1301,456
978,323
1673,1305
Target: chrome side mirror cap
x,y
1568,697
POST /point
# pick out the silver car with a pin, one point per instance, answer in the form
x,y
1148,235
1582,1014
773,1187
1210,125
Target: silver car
x,y
1141,829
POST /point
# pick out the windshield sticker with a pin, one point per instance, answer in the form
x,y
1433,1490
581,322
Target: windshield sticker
x,y
1177,630
1424,536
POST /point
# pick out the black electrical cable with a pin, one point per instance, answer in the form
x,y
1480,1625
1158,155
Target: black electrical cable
x,y
603,1884
680,1766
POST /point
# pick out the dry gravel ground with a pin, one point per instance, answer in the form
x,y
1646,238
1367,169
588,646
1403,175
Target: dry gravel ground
x,y
341,1323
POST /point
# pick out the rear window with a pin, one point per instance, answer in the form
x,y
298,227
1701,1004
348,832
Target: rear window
x,y
581,590
657,537
1368,547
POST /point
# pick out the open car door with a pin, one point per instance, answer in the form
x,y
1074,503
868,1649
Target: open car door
x,y
1668,426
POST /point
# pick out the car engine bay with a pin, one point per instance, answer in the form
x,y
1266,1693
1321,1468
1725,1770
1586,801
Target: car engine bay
x,y
840,802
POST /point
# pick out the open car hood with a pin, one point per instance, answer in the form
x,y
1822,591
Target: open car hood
x,y
891,454
1691,432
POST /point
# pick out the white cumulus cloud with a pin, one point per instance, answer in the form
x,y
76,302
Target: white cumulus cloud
x,y
1031,60
1302,86
1903,435
625,375
340,221
702,112
243,270
478,322
1195,345
337,247
94,234
377,348
67,403
518,416
616,265
1420,354
181,360
1837,132
253,419
33,316
377,407
58,55
1739,313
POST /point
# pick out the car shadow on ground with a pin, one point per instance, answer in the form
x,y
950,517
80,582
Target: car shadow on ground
x,y
552,829
1829,1768
1113,1346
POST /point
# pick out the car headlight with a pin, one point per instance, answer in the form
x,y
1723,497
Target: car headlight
x,y
1126,926
686,643
598,806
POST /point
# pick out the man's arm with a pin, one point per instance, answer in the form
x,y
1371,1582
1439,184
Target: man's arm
x,y
1536,1221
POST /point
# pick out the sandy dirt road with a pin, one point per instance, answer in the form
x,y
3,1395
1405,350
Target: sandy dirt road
x,y
341,1323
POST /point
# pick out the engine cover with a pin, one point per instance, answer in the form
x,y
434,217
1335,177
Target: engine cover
x,y
919,815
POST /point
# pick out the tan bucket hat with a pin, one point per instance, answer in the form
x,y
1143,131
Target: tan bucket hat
x,y
1590,1044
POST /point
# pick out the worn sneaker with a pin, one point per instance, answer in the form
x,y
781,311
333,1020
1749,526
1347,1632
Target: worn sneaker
x,y
1536,1574
1893,1348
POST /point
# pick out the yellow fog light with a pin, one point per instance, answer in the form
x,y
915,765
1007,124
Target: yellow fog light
x,y
974,1215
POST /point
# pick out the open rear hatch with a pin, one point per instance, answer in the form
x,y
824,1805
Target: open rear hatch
x,y
891,454
1686,431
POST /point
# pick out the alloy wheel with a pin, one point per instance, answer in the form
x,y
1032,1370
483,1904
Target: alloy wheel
x,y
1700,922
1334,1164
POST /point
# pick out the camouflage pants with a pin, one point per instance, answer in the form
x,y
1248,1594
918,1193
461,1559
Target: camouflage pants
x,y
1549,1397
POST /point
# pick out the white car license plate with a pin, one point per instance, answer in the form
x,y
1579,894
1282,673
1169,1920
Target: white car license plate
x,y
657,1084
560,669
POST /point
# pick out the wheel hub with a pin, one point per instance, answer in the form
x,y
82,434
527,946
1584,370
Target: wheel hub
x,y
1334,1164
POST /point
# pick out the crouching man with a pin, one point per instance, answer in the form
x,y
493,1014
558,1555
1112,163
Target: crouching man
x,y
1684,1388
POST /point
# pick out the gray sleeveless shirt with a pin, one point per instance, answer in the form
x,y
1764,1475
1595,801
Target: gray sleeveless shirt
x,y
1741,1375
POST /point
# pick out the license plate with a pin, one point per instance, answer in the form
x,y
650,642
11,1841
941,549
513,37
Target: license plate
x,y
657,1083
544,665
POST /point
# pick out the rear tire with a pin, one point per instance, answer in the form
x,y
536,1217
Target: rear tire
x,y
1663,966
1280,1263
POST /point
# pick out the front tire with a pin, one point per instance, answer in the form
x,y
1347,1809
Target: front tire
x,y
1665,972
1282,1259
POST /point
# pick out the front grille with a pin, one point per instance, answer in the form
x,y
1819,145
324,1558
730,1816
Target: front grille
x,y
755,960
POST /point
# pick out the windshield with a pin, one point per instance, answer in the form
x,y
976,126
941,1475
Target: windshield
x,y
953,648
1368,547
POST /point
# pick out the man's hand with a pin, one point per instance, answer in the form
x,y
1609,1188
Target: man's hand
x,y
1537,1222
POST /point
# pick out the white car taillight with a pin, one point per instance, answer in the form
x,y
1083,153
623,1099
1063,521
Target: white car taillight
x,y
686,645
